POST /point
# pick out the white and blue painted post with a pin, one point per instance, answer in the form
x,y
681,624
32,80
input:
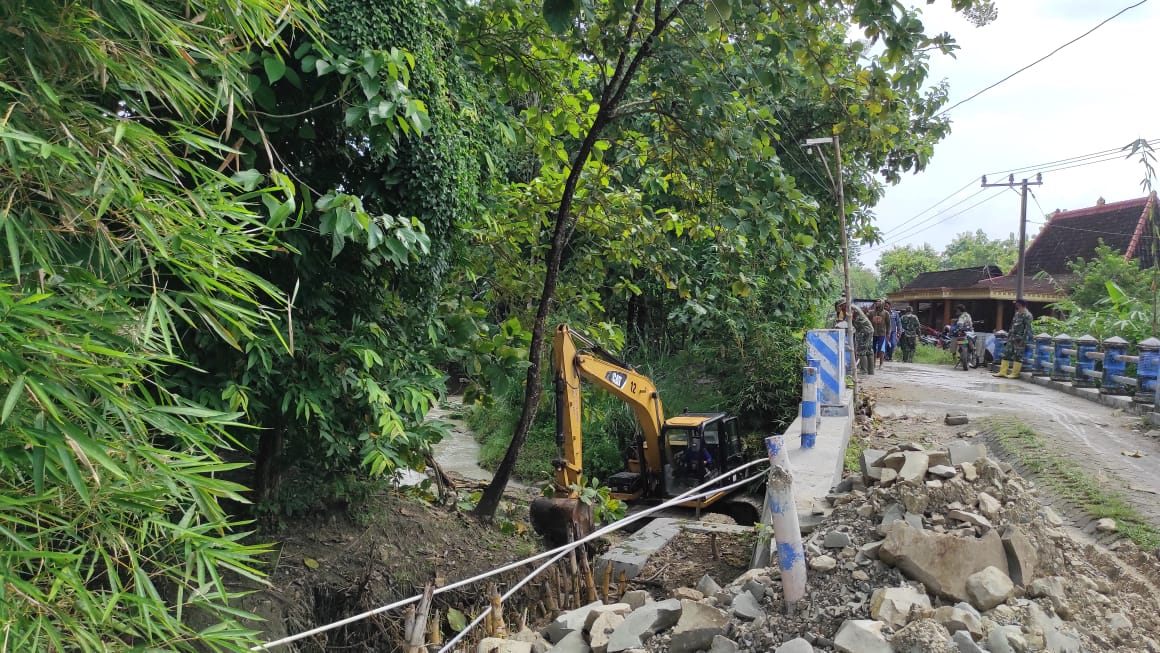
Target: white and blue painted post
x,y
809,407
816,363
791,558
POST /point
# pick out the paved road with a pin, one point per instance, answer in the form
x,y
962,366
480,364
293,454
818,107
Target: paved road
x,y
1093,436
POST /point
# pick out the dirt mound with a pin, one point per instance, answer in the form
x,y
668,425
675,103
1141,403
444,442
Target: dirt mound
x,y
328,569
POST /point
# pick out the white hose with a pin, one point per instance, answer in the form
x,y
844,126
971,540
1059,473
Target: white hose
x,y
617,525
538,570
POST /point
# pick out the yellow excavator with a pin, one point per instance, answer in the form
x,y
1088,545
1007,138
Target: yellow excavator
x,y
667,458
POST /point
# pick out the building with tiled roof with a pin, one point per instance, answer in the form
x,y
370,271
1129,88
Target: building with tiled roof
x,y
1128,227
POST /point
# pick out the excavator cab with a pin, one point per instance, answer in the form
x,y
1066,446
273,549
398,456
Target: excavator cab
x,y
697,446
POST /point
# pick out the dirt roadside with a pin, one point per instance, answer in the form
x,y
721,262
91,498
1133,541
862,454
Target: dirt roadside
x,y
1111,446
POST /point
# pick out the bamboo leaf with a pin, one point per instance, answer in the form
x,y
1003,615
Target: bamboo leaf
x,y
13,396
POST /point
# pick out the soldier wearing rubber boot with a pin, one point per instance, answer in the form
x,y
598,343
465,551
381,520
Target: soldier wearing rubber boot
x,y
1017,339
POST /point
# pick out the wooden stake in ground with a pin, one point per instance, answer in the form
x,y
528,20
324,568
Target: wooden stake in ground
x,y
606,581
585,568
415,624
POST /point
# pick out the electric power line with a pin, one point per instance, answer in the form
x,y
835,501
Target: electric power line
x,y
931,226
1071,159
915,228
920,213
1041,59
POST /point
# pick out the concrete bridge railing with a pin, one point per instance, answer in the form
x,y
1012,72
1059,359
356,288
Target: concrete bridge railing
x,y
1085,362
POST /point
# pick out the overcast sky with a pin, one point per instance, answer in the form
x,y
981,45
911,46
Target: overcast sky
x,y
1097,94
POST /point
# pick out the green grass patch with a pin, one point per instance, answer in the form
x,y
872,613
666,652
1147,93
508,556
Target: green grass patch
x,y
1063,478
932,355
854,451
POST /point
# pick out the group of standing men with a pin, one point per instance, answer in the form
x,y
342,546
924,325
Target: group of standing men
x,y
875,335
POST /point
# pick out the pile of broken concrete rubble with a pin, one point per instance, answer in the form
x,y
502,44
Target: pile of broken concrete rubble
x,y
924,551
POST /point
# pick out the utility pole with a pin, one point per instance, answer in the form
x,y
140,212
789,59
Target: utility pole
x,y
1010,183
840,190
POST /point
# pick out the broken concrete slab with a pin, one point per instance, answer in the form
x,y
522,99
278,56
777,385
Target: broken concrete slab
x,y
892,604
570,621
862,636
941,562
632,554
962,451
955,419
1022,558
745,607
708,586
642,624
698,625
914,466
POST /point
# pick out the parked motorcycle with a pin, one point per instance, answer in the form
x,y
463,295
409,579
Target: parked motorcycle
x,y
964,347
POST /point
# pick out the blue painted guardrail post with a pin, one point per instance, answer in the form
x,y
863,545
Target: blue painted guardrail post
x,y
1061,367
1085,366
1115,365
1029,355
787,532
809,407
1147,371
1043,352
1000,346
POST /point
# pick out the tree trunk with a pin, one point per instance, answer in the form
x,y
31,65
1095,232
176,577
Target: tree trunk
x,y
611,97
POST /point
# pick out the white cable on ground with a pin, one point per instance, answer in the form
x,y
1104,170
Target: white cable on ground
x,y
539,570
567,547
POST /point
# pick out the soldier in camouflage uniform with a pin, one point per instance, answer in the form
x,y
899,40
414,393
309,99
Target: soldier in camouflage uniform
x,y
909,339
1020,334
863,336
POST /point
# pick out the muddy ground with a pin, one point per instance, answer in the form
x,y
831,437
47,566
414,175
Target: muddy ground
x,y
914,398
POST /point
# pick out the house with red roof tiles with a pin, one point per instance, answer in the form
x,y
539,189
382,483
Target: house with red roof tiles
x,y
1128,227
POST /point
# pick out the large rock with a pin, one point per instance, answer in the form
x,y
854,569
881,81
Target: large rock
x,y
796,645
1050,587
686,594
570,621
637,598
1021,555
499,645
955,618
941,562
697,627
892,604
989,506
600,630
746,608
1057,640
971,518
870,470
643,623
539,644
708,586
965,643
962,451
621,609
989,587
722,644
862,636
913,468
573,642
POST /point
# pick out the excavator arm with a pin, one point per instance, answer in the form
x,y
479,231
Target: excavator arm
x,y
605,371
565,517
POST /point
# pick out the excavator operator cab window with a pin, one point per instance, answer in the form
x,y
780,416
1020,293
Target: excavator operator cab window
x,y
690,458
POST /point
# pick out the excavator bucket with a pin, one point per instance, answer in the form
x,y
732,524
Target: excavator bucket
x,y
553,519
